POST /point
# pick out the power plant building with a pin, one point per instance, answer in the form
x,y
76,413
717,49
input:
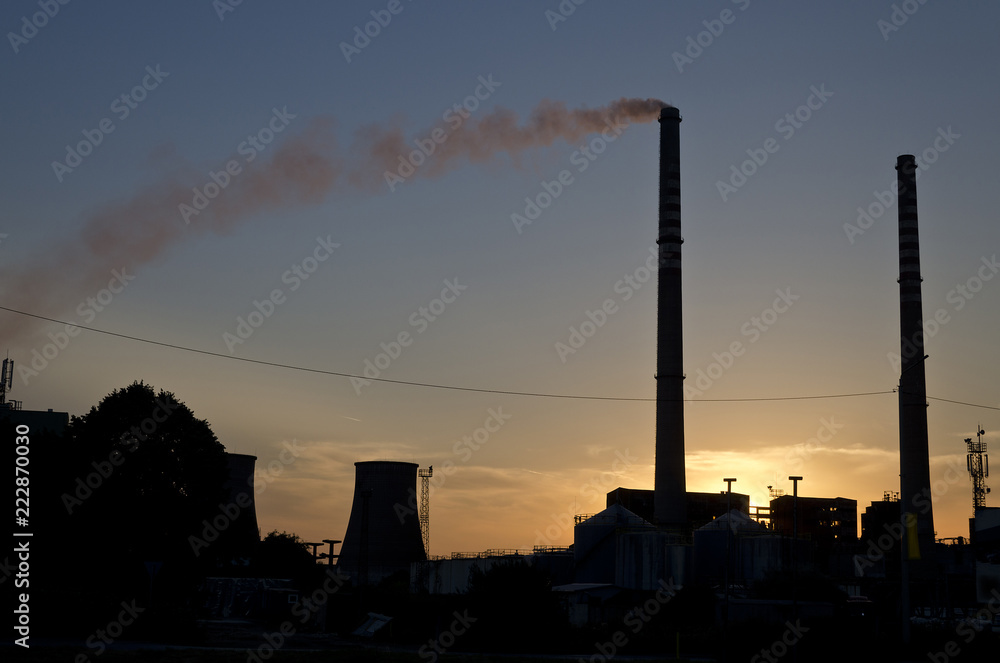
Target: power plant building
x,y
825,520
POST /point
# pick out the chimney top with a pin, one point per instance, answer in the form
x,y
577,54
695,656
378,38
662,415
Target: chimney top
x,y
669,113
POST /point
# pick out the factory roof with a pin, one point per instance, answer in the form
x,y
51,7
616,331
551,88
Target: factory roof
x,y
741,521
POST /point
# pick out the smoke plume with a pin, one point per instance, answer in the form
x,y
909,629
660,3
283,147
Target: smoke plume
x,y
304,170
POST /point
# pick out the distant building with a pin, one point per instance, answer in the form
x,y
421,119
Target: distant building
x,y
452,575
702,508
880,537
879,517
36,420
617,546
825,520
986,544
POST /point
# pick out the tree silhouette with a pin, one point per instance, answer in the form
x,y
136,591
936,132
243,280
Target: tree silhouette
x,y
283,555
127,484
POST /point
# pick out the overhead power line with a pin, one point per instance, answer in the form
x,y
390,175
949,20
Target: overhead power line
x,y
431,385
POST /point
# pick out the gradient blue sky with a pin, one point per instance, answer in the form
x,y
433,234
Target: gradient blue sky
x,y
784,228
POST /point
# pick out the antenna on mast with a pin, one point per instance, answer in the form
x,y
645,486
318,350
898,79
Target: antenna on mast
x,y
7,383
978,462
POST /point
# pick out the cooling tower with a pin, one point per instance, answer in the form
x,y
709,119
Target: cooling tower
x,y
243,533
914,462
383,533
669,507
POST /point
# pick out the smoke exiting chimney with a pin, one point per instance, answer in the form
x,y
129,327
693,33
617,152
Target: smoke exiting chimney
x,y
303,170
670,490
914,461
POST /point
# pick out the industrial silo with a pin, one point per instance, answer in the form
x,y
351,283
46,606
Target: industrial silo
x,y
383,534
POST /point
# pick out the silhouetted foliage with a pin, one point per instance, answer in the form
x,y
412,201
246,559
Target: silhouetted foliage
x,y
283,555
128,483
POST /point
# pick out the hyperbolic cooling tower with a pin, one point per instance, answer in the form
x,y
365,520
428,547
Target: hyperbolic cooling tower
x,y
243,533
914,462
383,534
669,506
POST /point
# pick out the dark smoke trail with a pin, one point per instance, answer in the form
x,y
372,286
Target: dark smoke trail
x,y
304,170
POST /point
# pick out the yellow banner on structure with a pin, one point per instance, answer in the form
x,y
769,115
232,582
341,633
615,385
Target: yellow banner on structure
x,y
912,544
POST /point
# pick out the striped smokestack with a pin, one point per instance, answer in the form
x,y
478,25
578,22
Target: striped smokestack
x,y
914,461
669,500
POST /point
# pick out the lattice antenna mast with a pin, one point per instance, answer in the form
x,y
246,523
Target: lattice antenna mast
x,y
978,462
425,506
6,380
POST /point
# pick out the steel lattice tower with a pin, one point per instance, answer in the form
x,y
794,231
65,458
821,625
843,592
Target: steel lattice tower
x,y
979,472
425,507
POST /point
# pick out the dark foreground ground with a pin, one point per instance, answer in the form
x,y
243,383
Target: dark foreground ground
x,y
341,655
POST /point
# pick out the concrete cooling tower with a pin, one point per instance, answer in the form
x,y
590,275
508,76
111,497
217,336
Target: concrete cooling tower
x,y
383,533
243,534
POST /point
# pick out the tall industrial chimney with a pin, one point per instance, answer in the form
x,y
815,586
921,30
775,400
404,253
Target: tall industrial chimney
x,y
914,460
670,489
